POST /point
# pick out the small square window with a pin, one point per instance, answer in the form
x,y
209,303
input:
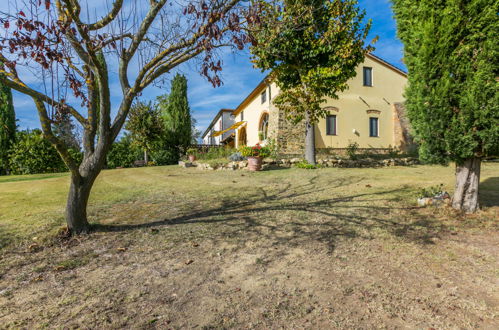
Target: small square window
x,y
331,125
264,96
373,127
368,76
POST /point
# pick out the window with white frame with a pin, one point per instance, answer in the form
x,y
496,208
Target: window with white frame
x,y
368,76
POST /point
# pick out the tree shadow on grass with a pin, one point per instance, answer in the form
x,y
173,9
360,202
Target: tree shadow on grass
x,y
298,214
489,192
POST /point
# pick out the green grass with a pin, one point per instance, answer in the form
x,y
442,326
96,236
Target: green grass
x,y
32,177
33,205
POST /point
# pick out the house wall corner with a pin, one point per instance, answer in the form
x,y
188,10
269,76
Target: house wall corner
x,y
289,137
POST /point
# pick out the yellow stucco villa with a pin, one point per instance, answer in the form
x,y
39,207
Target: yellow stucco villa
x,y
369,112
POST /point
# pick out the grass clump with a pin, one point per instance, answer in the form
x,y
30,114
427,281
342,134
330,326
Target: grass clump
x,y
71,264
305,165
215,163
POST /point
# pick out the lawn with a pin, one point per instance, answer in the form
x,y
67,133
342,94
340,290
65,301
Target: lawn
x,y
183,248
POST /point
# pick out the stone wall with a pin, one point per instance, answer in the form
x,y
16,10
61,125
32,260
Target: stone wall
x,y
290,137
402,128
269,163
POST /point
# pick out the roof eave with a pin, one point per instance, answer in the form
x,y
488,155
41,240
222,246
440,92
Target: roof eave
x,y
215,119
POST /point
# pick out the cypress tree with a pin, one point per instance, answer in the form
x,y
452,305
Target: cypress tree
x,y
7,126
451,53
176,115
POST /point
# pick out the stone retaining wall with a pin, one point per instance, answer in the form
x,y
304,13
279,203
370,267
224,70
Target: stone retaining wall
x,y
328,162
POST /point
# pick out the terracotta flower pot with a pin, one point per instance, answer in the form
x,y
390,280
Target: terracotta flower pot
x,y
255,163
192,158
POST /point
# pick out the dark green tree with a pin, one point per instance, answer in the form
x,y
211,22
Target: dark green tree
x,y
313,48
451,52
33,154
145,127
7,126
176,116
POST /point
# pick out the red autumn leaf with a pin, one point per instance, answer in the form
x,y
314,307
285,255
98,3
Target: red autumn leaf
x,y
6,24
22,13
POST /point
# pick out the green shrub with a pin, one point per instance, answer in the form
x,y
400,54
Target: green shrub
x,y
33,154
215,153
305,165
430,191
123,153
164,157
77,155
215,163
352,149
255,151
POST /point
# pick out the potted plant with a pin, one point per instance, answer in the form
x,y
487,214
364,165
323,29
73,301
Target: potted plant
x,y
191,152
255,156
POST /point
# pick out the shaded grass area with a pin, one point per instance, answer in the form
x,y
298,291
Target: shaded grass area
x,y
296,248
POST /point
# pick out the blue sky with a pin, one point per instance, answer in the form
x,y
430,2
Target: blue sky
x,y
239,77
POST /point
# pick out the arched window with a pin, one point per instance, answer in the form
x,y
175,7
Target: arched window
x,y
264,126
242,137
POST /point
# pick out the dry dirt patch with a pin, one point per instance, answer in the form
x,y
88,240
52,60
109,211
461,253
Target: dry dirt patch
x,y
290,248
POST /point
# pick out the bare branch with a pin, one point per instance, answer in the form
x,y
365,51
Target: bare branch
x,y
108,18
16,84
114,39
153,64
144,28
98,68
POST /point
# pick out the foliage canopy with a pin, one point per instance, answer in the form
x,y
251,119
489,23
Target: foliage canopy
x,y
145,126
313,48
33,154
176,115
451,52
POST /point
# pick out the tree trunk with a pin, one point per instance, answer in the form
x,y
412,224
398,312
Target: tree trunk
x,y
309,140
76,207
146,157
467,180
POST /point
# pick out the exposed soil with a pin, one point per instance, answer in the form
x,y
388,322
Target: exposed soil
x,y
319,250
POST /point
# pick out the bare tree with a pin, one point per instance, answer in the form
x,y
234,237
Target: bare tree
x,y
71,52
